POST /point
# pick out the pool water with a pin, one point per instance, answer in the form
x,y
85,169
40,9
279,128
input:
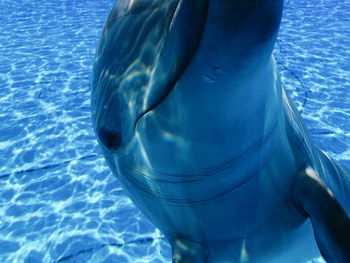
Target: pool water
x,y
58,200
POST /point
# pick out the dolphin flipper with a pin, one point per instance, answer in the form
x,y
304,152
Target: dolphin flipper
x,y
330,222
188,251
336,177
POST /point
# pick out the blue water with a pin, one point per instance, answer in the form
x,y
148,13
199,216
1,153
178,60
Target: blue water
x,y
58,200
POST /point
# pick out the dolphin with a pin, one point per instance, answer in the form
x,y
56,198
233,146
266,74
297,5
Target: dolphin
x,y
192,118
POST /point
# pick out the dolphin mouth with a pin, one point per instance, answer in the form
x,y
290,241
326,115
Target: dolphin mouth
x,y
172,199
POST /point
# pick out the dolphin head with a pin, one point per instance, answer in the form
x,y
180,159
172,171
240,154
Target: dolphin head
x,y
147,45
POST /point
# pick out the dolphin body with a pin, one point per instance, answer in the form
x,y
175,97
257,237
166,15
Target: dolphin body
x,y
189,110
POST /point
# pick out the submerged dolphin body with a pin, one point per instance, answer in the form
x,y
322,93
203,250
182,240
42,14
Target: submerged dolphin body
x,y
189,110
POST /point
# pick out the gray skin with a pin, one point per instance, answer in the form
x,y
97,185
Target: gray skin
x,y
189,110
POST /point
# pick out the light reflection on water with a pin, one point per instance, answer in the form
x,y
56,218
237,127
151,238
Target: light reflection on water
x,y
59,202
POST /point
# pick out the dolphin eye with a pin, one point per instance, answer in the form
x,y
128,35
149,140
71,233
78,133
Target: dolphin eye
x,y
110,139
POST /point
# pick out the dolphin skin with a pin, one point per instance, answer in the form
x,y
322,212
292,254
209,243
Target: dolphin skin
x,y
190,113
